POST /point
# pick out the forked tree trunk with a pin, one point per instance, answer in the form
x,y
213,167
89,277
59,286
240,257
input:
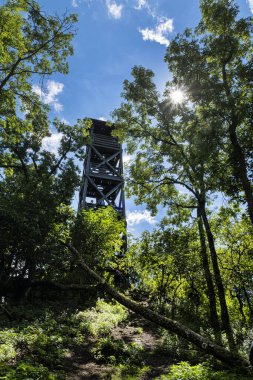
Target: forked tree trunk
x,y
213,315
233,360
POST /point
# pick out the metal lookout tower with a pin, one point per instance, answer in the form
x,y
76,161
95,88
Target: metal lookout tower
x,y
102,182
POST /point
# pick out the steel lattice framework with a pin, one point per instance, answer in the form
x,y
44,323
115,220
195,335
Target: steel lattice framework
x,y
102,182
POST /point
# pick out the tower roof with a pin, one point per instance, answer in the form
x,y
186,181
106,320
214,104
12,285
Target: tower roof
x,y
101,127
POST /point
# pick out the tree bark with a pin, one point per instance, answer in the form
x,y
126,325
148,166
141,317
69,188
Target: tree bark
x,y
213,315
226,326
241,169
58,285
240,166
231,359
248,300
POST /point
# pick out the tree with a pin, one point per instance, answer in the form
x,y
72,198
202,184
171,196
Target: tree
x,y
33,198
36,186
173,150
169,265
234,237
98,234
214,66
202,144
33,45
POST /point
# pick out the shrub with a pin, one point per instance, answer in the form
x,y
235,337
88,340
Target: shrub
x,y
7,352
27,371
101,319
27,349
110,350
129,372
184,371
8,344
177,347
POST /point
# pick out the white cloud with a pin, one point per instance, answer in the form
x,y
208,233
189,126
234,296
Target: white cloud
x,y
49,94
136,217
144,4
141,4
65,121
159,33
52,143
250,2
102,118
77,3
114,10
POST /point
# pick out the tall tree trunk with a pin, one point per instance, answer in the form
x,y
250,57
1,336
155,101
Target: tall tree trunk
x,y
213,315
248,300
226,326
232,359
241,169
239,156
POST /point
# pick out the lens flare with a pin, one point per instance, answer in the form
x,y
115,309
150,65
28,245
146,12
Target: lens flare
x,y
177,96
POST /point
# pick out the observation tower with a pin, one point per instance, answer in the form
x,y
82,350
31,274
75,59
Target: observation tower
x,y
102,181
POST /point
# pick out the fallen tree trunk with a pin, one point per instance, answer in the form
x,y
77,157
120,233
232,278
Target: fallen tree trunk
x,y
233,360
58,285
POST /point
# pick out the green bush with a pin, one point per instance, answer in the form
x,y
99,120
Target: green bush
x,y
128,372
177,347
29,347
26,371
7,352
101,319
184,371
110,350
8,342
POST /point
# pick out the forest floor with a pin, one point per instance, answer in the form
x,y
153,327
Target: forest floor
x,y
53,340
137,330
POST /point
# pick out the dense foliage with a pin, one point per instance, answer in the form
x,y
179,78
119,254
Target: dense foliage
x,y
38,346
36,185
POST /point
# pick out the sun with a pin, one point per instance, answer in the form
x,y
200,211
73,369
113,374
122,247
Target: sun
x,y
177,96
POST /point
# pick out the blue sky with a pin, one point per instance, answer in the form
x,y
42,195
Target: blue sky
x,y
112,37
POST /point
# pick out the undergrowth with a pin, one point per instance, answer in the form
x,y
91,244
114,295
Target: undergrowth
x,y
38,346
40,342
100,320
185,371
115,351
128,372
